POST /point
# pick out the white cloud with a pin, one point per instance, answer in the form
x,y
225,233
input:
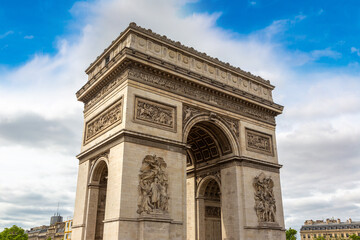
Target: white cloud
x,y
29,37
4,35
316,54
355,50
317,134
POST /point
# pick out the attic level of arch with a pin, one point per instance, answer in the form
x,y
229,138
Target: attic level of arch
x,y
143,36
127,56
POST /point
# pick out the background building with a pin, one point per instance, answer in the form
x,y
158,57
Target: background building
x,y
57,230
330,229
68,227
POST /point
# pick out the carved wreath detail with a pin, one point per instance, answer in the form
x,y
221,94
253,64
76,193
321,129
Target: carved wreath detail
x,y
264,198
153,186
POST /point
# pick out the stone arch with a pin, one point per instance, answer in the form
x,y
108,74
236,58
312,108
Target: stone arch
x,y
204,183
209,208
96,169
97,192
216,122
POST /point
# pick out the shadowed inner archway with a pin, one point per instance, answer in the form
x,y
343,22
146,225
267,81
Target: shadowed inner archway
x,y
207,143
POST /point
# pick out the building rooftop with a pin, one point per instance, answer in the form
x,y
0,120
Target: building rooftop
x,y
329,224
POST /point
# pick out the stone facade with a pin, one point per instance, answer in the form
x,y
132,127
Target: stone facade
x,y
330,229
54,231
177,145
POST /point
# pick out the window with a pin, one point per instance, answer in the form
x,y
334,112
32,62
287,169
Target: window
x,y
107,59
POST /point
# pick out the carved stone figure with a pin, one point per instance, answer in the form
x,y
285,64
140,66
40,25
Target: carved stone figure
x,y
153,185
264,198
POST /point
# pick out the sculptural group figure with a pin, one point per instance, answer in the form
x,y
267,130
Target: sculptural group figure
x,y
153,185
264,198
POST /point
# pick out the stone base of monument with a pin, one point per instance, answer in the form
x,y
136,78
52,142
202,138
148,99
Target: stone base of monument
x,y
154,226
265,231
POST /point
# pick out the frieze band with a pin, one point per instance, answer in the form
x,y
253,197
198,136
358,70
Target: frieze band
x,y
155,114
201,94
105,90
106,119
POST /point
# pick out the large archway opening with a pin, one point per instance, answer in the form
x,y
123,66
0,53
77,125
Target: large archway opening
x,y
209,203
100,214
97,200
208,145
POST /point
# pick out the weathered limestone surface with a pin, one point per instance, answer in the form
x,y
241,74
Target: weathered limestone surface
x,y
182,137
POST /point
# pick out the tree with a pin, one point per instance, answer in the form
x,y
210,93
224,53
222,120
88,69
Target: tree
x,y
320,238
13,233
291,234
354,237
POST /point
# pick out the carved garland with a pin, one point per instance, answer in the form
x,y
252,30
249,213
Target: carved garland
x,y
103,121
189,90
155,114
153,186
265,204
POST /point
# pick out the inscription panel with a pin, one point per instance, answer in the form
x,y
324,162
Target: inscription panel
x,y
107,119
259,142
155,114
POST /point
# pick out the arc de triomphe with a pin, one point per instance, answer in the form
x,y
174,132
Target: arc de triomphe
x,y
176,145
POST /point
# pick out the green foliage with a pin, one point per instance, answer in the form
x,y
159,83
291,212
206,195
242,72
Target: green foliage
x,y
354,237
13,233
291,234
49,238
320,238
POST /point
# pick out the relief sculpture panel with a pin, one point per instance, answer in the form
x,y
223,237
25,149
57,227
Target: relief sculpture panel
x,y
153,186
110,117
155,114
259,142
264,198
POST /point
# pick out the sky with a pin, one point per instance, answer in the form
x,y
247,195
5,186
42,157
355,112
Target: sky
x,y
310,50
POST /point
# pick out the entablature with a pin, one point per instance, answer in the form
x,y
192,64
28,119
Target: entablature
x,y
153,71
